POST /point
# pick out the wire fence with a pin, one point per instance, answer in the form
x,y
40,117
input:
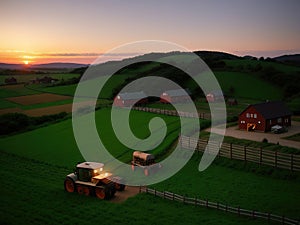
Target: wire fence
x,y
215,205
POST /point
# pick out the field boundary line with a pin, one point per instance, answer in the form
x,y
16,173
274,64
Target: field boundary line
x,y
219,206
244,153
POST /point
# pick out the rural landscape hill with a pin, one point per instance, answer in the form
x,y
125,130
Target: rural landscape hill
x,y
37,138
55,65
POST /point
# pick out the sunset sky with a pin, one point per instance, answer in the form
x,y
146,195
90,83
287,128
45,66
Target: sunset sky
x,y
36,31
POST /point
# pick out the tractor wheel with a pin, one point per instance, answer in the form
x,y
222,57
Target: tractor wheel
x,y
100,193
69,185
83,190
120,187
146,172
109,191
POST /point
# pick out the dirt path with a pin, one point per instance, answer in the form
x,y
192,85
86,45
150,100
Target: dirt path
x,y
129,191
272,138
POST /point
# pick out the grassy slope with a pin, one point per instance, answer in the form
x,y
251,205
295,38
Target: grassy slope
x,y
55,144
246,62
236,187
26,78
248,86
20,91
32,193
61,148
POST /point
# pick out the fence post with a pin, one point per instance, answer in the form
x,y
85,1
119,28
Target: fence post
x,y
189,142
140,188
292,162
260,155
183,199
275,159
245,153
283,220
173,196
195,201
206,203
231,150
269,217
154,192
239,211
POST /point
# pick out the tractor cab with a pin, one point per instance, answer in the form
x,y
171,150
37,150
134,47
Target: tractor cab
x,y
86,171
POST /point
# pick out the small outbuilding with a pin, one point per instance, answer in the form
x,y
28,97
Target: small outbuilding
x,y
232,101
10,80
214,96
175,96
129,99
263,116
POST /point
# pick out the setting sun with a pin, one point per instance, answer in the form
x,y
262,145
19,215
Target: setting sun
x,y
26,62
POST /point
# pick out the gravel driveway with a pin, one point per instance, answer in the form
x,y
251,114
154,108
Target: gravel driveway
x,y
259,136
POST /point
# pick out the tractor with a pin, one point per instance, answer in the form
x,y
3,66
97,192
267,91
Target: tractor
x,y
89,178
145,161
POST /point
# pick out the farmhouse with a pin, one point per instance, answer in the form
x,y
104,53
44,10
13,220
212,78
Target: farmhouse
x,y
263,116
10,80
175,96
43,80
129,99
214,96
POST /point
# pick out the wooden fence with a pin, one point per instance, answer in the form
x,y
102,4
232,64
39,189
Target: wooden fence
x,y
215,205
245,153
173,112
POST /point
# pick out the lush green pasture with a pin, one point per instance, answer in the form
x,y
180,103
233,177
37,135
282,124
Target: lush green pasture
x,y
16,90
246,64
247,86
55,145
61,148
32,193
25,78
236,187
106,92
7,104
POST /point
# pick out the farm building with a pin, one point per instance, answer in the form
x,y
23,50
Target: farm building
x,y
214,96
262,116
232,101
10,80
175,96
129,99
43,80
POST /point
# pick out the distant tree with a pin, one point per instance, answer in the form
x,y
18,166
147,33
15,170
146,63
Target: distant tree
x,y
231,90
261,59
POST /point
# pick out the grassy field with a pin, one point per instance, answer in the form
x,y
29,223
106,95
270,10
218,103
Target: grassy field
x,y
61,147
27,77
33,191
236,187
15,90
238,63
218,183
247,86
